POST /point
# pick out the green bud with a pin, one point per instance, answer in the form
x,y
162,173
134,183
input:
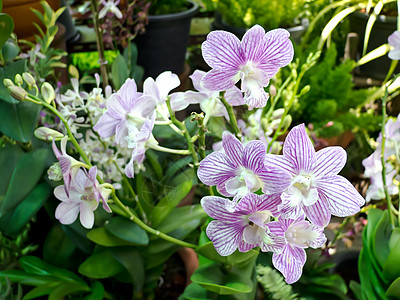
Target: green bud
x,y
8,82
17,92
54,172
18,79
275,148
277,114
48,92
30,81
304,90
47,134
287,121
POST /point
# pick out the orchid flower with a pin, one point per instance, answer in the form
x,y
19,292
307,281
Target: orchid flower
x,y
394,41
314,188
254,61
110,6
298,234
83,199
245,228
240,170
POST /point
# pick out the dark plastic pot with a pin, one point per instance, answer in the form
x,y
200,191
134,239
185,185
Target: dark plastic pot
x,y
296,32
163,46
383,27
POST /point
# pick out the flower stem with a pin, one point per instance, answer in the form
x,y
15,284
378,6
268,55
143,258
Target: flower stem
x,y
186,134
387,196
232,117
168,150
201,134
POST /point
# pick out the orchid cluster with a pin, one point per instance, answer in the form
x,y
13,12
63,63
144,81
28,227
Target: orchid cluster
x,y
279,203
373,163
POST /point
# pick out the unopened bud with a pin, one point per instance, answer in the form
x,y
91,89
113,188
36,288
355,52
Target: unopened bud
x,y
8,82
30,81
272,90
287,121
304,90
275,123
17,92
275,148
54,172
47,134
48,92
278,113
18,79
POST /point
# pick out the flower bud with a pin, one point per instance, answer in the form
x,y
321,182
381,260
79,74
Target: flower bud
x,y
17,92
304,90
8,82
30,81
47,134
48,92
18,79
286,122
54,172
277,114
276,148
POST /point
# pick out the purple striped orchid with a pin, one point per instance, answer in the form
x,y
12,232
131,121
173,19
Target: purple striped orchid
x,y
245,228
298,234
254,61
83,198
239,170
314,188
125,108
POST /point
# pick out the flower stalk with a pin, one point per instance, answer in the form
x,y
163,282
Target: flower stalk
x,y
232,117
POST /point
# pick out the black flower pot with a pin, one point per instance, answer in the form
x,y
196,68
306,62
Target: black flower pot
x,y
163,46
383,27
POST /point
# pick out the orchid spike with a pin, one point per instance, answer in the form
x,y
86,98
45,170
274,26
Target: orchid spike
x,y
254,61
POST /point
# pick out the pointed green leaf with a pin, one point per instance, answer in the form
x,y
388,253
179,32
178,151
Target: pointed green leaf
x,y
41,290
97,291
381,237
105,238
182,216
207,250
66,288
391,268
26,278
119,71
6,28
101,265
58,248
126,230
394,289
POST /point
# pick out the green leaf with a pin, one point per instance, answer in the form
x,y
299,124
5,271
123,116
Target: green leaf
x,y
223,282
394,289
381,237
41,290
97,291
103,237
77,234
195,291
356,289
10,51
137,73
6,28
26,278
101,265
58,248
171,200
18,121
126,230
182,216
391,269
119,71
26,173
9,71
65,289
394,238
15,220
133,263
208,251
133,53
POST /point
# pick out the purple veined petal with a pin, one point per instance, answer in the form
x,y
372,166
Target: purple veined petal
x,y
275,180
276,228
276,246
92,174
166,82
249,204
221,188
291,206
222,50
236,188
129,169
234,96
80,181
196,78
215,207
329,161
278,49
290,263
128,90
343,199
280,161
60,193
215,168
251,235
57,152
233,148
256,97
320,240
67,213
299,150
244,247
106,125
318,213
310,196
117,106
217,80
86,213
270,203
65,164
225,237
121,131
251,42
253,155
144,106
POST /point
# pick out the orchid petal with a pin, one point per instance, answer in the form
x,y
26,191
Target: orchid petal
x,y
86,213
215,168
251,42
217,80
67,213
233,148
275,180
253,155
290,263
196,78
318,213
215,207
166,82
329,161
281,162
225,237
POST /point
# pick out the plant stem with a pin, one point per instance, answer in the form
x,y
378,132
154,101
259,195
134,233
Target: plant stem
x,y
186,134
339,230
169,150
201,134
232,117
387,196
99,42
